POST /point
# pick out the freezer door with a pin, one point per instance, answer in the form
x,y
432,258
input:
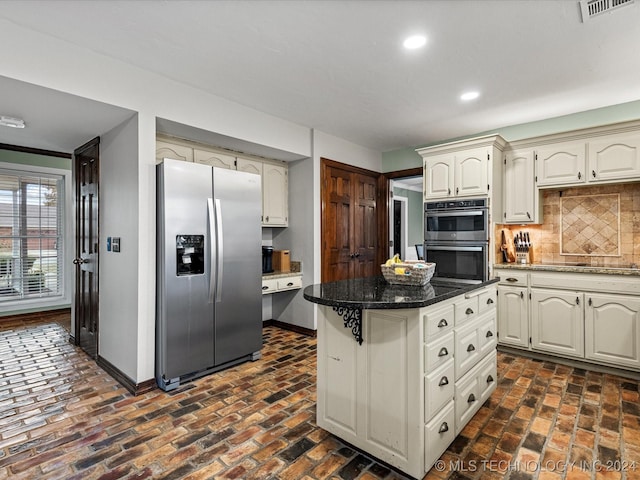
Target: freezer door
x,y
185,317
237,204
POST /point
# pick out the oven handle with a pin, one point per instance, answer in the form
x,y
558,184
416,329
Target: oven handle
x,y
455,249
466,213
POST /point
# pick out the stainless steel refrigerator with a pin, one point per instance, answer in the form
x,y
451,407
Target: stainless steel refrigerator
x,y
209,301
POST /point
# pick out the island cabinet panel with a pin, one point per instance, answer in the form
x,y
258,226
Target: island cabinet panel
x,y
337,404
401,395
556,321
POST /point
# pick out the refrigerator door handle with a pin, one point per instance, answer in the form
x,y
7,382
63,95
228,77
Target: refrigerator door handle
x,y
212,256
220,251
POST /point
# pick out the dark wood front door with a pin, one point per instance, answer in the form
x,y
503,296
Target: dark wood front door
x,y
349,222
86,165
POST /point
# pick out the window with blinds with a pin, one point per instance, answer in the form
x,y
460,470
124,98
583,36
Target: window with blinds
x,y
31,235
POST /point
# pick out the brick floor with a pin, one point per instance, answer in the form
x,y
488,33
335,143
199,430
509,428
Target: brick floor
x,y
62,417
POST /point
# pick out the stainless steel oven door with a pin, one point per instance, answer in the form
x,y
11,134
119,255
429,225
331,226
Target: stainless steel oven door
x,y
457,225
460,262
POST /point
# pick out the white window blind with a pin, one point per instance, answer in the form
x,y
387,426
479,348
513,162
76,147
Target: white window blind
x,y
31,235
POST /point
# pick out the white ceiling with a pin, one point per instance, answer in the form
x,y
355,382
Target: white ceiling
x,y
339,66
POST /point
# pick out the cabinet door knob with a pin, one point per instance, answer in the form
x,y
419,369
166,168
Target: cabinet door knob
x,y
577,300
469,311
443,428
443,352
590,302
442,323
489,334
471,348
443,381
267,218
521,294
579,175
448,191
489,301
489,379
528,216
471,399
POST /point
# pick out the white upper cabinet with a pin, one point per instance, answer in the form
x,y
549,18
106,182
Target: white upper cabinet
x,y
520,199
214,159
462,174
471,172
560,164
275,188
614,157
173,151
273,173
248,165
438,176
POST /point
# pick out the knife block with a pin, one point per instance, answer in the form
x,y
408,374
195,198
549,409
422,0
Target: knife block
x,y
524,256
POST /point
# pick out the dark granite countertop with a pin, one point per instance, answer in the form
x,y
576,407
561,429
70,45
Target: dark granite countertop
x,y
377,293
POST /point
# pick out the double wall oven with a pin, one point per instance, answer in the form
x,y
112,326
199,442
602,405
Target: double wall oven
x,y
456,237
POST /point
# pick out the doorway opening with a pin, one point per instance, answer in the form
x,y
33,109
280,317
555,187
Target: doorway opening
x,y
405,214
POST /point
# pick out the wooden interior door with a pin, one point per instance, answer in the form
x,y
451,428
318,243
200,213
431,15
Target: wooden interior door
x,y
86,164
349,222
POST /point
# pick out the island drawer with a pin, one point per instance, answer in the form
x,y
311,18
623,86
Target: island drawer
x,y
466,309
437,320
488,299
474,389
439,433
438,351
473,341
289,283
439,387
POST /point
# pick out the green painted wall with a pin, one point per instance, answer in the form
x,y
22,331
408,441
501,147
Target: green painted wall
x,y
22,158
414,213
408,158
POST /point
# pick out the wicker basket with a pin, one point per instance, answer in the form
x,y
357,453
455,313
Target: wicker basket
x,y
411,275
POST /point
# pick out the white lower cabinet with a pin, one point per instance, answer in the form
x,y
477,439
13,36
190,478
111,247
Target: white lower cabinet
x,y
612,329
396,396
513,316
557,322
598,321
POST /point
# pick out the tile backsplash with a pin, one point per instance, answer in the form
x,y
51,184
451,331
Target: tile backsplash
x,y
595,225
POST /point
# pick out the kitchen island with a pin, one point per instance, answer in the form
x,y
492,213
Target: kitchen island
x,y
402,369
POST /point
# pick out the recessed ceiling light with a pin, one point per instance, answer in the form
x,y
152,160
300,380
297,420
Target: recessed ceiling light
x,y
11,122
415,41
466,96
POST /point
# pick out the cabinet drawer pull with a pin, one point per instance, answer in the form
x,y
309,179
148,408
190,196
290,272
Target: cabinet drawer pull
x,y
528,216
471,399
593,172
489,301
577,300
489,379
489,334
579,175
443,352
265,288
590,302
469,311
512,280
443,428
443,381
290,284
442,323
471,348
522,295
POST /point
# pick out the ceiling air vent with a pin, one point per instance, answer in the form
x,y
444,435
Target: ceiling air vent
x,y
592,8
